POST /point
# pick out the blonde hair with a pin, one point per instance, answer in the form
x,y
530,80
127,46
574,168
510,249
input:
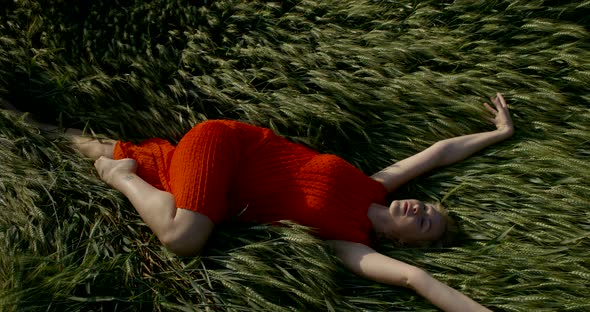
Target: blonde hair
x,y
450,227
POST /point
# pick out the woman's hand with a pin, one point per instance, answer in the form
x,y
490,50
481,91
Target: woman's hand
x,y
501,118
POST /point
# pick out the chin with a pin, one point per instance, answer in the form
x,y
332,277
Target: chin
x,y
393,204
392,209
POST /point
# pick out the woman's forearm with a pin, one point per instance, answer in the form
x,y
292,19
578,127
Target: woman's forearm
x,y
459,148
441,295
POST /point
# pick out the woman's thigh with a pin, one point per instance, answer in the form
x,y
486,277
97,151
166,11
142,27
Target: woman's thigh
x,y
202,170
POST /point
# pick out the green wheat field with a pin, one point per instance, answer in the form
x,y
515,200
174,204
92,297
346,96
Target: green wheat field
x,y
371,81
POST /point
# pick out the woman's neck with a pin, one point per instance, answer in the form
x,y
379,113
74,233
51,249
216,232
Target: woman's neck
x,y
379,216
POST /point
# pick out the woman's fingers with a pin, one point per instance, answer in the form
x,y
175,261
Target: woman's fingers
x,y
501,100
501,109
493,111
497,103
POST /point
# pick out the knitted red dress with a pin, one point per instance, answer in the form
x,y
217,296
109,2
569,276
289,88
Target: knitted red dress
x,y
226,169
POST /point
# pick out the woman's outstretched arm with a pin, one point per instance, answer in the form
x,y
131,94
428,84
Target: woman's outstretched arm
x,y
449,151
366,262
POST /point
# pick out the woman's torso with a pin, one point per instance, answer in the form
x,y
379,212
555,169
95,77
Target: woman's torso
x,y
282,180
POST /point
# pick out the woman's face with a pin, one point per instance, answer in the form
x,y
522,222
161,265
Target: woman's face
x,y
414,221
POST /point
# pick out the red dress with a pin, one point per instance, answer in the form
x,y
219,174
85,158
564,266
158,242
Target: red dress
x,y
225,169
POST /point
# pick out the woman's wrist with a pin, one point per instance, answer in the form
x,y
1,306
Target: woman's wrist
x,y
505,132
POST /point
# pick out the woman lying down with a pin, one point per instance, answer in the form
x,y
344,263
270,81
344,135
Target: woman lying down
x,y
221,166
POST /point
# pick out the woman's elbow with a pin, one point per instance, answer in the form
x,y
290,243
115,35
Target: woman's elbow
x,y
441,151
416,278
